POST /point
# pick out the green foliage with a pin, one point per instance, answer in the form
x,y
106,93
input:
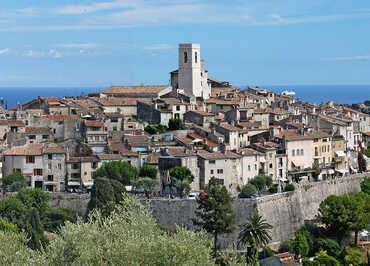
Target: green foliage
x,y
8,227
322,258
102,196
146,185
148,171
289,187
214,211
342,214
56,217
248,189
155,129
117,170
35,230
365,185
299,246
175,124
34,198
330,246
14,182
259,182
361,162
255,231
353,258
284,246
182,187
13,211
273,189
181,173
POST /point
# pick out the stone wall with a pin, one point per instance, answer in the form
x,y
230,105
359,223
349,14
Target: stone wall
x,y
285,211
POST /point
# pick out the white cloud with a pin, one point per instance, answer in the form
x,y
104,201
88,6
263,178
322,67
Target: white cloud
x,y
51,53
84,9
4,51
78,45
347,58
162,46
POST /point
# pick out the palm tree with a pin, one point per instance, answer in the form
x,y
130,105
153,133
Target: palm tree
x,y
254,234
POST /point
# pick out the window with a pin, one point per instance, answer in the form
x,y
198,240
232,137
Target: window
x,y
49,166
255,167
280,172
96,138
185,57
37,172
17,170
315,140
85,173
293,152
32,137
114,128
94,165
328,148
75,166
297,152
220,171
212,161
220,181
270,165
211,172
45,136
30,159
50,156
177,107
270,155
196,57
316,151
50,177
59,166
302,152
249,168
234,167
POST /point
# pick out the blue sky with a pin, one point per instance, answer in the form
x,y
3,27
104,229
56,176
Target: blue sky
x,y
124,42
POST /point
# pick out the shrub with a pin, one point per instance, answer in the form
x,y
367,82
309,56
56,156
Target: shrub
x,y
330,246
273,189
175,124
248,189
284,246
299,246
289,187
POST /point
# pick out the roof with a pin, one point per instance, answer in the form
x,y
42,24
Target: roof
x,y
118,101
367,134
111,157
29,149
218,155
37,130
202,113
56,149
16,123
137,90
179,152
82,159
292,135
53,103
249,152
153,158
60,117
93,123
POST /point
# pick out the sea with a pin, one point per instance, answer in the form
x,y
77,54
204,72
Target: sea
x,y
312,93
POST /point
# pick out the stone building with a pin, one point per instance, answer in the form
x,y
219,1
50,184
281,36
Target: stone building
x,y
80,172
200,118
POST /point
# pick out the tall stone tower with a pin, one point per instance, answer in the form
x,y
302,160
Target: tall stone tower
x,y
192,77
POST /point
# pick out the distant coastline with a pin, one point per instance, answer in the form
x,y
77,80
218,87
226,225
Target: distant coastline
x,y
312,93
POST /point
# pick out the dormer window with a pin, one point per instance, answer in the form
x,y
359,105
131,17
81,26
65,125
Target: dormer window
x,y
185,57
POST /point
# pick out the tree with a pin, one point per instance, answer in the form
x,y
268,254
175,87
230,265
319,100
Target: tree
x,y
365,185
9,227
214,211
181,173
330,246
102,196
182,187
341,214
259,182
13,210
14,181
253,235
248,189
289,187
148,171
56,217
146,185
35,198
175,124
117,170
361,162
35,230
299,246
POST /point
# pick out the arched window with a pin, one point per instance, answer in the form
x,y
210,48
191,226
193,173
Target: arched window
x,y
297,152
196,57
293,152
302,152
185,57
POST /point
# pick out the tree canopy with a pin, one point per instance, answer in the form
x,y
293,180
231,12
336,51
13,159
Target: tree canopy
x,y
14,181
117,170
148,171
181,173
214,211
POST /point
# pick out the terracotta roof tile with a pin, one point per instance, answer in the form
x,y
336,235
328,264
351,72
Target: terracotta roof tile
x,y
37,130
29,149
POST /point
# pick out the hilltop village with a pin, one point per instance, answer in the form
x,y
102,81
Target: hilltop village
x,y
211,127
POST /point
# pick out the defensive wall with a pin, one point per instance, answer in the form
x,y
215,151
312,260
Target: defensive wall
x,y
286,212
